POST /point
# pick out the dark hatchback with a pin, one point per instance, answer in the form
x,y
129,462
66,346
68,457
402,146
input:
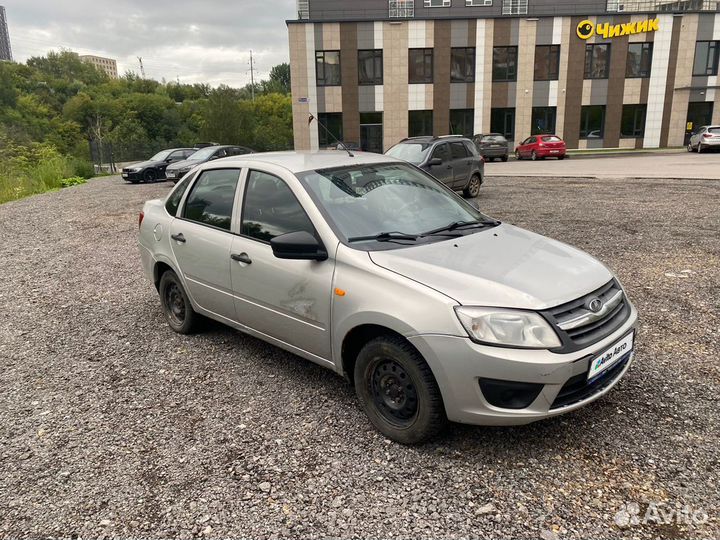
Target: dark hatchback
x,y
154,168
179,169
492,146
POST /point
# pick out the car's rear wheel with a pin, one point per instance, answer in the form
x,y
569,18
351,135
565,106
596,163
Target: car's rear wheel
x,y
504,158
472,189
561,158
398,391
517,155
690,147
150,176
176,305
700,148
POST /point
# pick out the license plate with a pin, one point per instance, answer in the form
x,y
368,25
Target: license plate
x,y
124,175
554,151
611,356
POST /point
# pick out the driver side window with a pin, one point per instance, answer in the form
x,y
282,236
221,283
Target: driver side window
x,y
441,152
270,209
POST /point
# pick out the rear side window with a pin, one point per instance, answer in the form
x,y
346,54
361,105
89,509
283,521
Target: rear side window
x,y
270,209
212,197
173,201
442,152
458,150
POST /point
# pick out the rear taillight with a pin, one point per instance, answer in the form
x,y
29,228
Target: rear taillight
x,y
140,219
708,136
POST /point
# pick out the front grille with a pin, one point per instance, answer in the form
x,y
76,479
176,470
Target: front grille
x,y
578,388
579,327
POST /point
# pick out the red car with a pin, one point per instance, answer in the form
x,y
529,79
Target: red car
x,y
540,147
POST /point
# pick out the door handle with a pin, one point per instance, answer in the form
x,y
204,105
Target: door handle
x,y
242,258
179,238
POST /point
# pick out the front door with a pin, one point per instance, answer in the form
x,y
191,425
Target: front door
x,y
444,170
201,240
462,164
284,299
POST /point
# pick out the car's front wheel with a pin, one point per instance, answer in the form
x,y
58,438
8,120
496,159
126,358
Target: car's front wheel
x,y
177,309
398,391
150,176
472,189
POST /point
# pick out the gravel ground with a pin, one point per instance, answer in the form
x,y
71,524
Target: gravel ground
x,y
113,426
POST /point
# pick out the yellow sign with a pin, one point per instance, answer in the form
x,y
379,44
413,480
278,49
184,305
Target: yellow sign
x,y
586,29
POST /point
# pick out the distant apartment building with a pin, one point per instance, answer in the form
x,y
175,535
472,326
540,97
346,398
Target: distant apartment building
x,y
108,65
5,49
600,73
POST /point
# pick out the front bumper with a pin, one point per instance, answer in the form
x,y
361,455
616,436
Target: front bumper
x,y
551,153
129,176
458,365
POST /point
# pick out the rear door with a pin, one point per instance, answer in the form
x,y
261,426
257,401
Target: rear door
x,y
285,299
444,171
201,240
461,162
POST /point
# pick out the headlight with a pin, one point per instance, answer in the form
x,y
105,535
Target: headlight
x,y
135,169
509,327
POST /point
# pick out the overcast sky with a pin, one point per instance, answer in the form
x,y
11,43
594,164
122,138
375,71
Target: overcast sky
x,y
202,41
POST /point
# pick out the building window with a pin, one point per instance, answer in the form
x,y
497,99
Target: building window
x,y
597,61
462,65
503,121
333,123
478,3
303,7
505,63
402,9
515,7
543,120
639,60
370,67
633,121
462,122
420,123
328,68
437,3
547,62
706,58
592,122
420,66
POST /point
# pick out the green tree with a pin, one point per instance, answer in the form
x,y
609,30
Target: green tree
x,y
280,79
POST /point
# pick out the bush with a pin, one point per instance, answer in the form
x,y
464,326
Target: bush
x,y
74,181
82,168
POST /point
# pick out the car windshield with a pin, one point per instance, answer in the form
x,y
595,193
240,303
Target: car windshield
x,y
414,153
493,138
365,201
552,138
203,154
161,156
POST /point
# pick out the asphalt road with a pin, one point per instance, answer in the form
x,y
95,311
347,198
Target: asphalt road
x,y
112,426
652,165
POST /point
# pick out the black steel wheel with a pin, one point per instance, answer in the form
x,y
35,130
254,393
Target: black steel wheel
x,y
398,391
176,305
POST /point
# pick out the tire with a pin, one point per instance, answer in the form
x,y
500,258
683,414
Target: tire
x,y
150,176
398,391
176,305
504,158
690,147
517,155
561,158
533,156
472,189
700,148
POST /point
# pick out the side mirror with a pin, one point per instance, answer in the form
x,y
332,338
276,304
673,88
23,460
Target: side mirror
x,y
299,245
434,162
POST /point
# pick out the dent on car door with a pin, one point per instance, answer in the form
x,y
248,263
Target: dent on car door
x,y
201,240
288,300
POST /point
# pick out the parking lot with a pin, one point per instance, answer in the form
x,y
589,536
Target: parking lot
x,y
666,164
111,425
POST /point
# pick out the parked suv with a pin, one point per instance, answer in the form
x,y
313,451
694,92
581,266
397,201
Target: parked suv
x,y
492,146
177,170
370,267
453,160
704,138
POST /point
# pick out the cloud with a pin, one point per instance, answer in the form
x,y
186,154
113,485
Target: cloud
x,y
207,41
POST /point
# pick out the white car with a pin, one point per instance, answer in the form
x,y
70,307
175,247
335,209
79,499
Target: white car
x,y
704,138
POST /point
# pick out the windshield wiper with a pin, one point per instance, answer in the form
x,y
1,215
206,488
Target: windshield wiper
x,y
459,225
384,237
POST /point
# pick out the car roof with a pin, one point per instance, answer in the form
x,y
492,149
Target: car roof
x,y
297,162
433,139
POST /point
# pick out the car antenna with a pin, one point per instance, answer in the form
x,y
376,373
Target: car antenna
x,y
310,120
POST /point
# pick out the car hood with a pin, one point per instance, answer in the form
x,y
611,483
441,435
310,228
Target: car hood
x,y
145,164
501,267
183,164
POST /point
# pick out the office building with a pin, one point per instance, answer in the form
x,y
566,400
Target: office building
x,y
108,65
